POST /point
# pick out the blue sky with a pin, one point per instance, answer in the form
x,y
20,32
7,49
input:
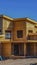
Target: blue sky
x,y
19,8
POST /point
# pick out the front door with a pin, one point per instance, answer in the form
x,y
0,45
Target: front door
x,y
16,49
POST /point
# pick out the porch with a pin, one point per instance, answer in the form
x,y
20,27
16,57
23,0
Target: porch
x,y
18,50
23,50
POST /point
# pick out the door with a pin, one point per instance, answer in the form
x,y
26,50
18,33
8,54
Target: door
x,y
16,49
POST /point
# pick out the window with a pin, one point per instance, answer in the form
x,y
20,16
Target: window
x,y
7,34
19,33
30,31
0,31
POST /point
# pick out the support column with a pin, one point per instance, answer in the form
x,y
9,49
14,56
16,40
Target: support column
x,y
24,49
34,49
12,49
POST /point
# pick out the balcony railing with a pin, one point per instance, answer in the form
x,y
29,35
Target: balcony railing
x,y
32,37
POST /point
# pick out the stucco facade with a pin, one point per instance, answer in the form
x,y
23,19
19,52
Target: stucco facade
x,y
18,37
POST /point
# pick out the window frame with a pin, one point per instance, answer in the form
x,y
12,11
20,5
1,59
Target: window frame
x,y
7,32
19,33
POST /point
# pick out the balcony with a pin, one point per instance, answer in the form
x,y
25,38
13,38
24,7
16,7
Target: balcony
x,y
32,37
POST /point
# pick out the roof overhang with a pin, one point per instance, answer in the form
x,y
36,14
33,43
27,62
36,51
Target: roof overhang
x,y
6,17
26,20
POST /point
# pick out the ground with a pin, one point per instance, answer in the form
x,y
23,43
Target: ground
x,y
18,61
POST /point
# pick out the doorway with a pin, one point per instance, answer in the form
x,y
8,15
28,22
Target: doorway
x,y
16,49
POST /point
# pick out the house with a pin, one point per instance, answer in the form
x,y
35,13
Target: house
x,y
18,37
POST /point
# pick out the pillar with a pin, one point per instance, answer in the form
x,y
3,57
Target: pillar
x,y
34,49
24,49
12,49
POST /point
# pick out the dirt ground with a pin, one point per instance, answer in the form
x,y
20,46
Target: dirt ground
x,y
27,61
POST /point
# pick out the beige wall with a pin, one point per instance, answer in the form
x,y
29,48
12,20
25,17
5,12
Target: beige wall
x,y
35,29
7,25
29,26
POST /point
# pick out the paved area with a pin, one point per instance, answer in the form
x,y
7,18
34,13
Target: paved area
x,y
19,61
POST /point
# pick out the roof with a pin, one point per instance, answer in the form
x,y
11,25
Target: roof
x,y
19,19
32,20
6,17
26,19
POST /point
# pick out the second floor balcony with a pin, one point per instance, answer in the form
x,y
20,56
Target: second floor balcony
x,y
32,36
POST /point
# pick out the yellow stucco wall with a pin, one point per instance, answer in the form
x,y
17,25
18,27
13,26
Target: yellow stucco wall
x,y
29,26
7,25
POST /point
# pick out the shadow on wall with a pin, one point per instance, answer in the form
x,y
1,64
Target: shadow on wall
x,y
10,27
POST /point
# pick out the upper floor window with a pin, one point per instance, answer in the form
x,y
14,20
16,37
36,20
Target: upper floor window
x,y
0,31
7,34
30,31
20,33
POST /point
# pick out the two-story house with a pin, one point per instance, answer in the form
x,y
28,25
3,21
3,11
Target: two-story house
x,y
18,37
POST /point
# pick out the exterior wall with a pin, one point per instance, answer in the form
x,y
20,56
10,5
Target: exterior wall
x,y
1,23
14,26
19,25
7,25
6,49
1,28
29,26
35,30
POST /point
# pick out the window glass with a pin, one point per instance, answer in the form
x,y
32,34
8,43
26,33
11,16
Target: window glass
x,y
19,33
7,34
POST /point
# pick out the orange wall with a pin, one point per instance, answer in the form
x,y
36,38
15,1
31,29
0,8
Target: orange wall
x,y
19,25
6,49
